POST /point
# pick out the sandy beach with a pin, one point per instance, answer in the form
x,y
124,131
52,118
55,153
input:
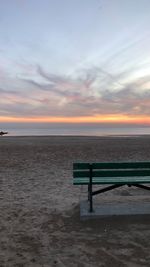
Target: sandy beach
x,y
40,223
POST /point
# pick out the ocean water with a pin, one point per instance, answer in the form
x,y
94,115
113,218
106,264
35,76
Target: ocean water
x,y
85,130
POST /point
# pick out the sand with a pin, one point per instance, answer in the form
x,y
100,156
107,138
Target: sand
x,y
39,213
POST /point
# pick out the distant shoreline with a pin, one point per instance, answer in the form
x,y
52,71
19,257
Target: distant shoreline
x,y
78,136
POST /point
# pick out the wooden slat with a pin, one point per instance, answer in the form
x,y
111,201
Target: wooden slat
x,y
120,173
81,174
112,173
81,181
124,180
121,165
81,166
111,165
110,180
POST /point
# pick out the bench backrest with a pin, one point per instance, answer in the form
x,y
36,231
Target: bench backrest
x,y
111,169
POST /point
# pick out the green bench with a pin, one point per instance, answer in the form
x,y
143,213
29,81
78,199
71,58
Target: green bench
x,y
113,174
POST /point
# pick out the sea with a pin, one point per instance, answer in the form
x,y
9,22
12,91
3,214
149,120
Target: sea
x,y
74,129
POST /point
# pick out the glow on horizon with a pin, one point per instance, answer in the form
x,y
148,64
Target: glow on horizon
x,y
111,118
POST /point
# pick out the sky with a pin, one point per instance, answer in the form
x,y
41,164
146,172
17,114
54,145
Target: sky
x,y
75,61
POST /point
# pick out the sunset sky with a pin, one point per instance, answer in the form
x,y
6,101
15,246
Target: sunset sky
x,y
75,61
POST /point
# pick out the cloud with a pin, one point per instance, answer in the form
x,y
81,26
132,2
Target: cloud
x,y
89,92
8,92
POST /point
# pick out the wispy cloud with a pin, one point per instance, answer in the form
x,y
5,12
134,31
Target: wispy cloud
x,y
92,92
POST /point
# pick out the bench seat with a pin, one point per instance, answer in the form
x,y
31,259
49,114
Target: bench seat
x,y
111,180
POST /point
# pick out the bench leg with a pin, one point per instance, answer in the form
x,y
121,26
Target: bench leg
x,y
88,192
91,200
90,197
90,189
